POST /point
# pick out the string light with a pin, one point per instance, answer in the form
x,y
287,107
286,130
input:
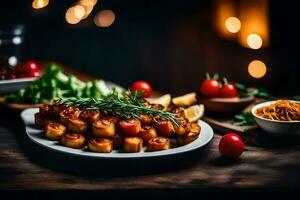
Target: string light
x,y
257,69
104,18
233,24
254,41
38,4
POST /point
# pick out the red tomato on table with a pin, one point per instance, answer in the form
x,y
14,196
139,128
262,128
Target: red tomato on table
x,y
231,145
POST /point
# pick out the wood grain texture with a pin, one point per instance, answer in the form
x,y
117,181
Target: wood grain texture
x,y
24,165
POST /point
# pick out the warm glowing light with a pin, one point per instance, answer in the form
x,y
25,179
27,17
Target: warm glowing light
x,y
257,69
87,2
70,16
38,4
254,41
233,24
88,6
224,9
104,18
254,14
79,11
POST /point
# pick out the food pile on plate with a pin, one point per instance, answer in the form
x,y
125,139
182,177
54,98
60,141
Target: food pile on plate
x,y
121,121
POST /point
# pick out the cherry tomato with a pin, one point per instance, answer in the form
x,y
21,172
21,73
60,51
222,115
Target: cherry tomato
x,y
34,74
130,127
164,127
228,90
231,145
29,69
142,86
30,66
210,88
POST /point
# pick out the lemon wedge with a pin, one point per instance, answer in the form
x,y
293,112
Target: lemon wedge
x,y
194,113
185,100
164,100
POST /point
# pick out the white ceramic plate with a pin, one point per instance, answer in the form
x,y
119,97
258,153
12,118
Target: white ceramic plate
x,y
35,135
14,85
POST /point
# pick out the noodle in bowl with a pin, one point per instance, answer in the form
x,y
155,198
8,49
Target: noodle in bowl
x,y
285,121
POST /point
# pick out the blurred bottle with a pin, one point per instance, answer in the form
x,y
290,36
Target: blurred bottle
x,y
11,39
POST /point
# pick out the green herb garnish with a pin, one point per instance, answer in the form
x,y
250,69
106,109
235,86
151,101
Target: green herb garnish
x,y
129,104
257,92
244,119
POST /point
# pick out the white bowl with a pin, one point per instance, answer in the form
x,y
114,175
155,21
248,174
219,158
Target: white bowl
x,y
276,126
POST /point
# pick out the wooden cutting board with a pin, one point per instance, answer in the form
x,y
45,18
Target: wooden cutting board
x,y
224,123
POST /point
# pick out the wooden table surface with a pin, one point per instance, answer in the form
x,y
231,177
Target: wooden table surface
x,y
26,166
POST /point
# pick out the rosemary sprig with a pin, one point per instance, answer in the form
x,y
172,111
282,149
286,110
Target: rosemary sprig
x,y
130,104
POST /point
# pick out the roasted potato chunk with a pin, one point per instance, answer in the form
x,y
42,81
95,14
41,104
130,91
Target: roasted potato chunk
x,y
54,130
183,128
145,119
104,128
132,144
77,126
147,133
73,140
195,128
158,144
89,116
101,145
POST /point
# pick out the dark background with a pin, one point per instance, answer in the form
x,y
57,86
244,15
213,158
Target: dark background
x,y
171,43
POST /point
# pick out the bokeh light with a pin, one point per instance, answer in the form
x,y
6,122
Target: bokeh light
x,y
104,18
233,24
70,16
257,69
254,41
79,11
38,4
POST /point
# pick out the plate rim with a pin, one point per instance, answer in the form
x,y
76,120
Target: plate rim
x,y
71,152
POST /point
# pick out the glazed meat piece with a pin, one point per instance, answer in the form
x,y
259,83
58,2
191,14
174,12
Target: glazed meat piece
x,y
73,140
89,116
118,141
104,128
46,110
183,128
101,145
68,113
54,130
130,127
40,120
77,126
158,144
164,127
147,133
132,144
